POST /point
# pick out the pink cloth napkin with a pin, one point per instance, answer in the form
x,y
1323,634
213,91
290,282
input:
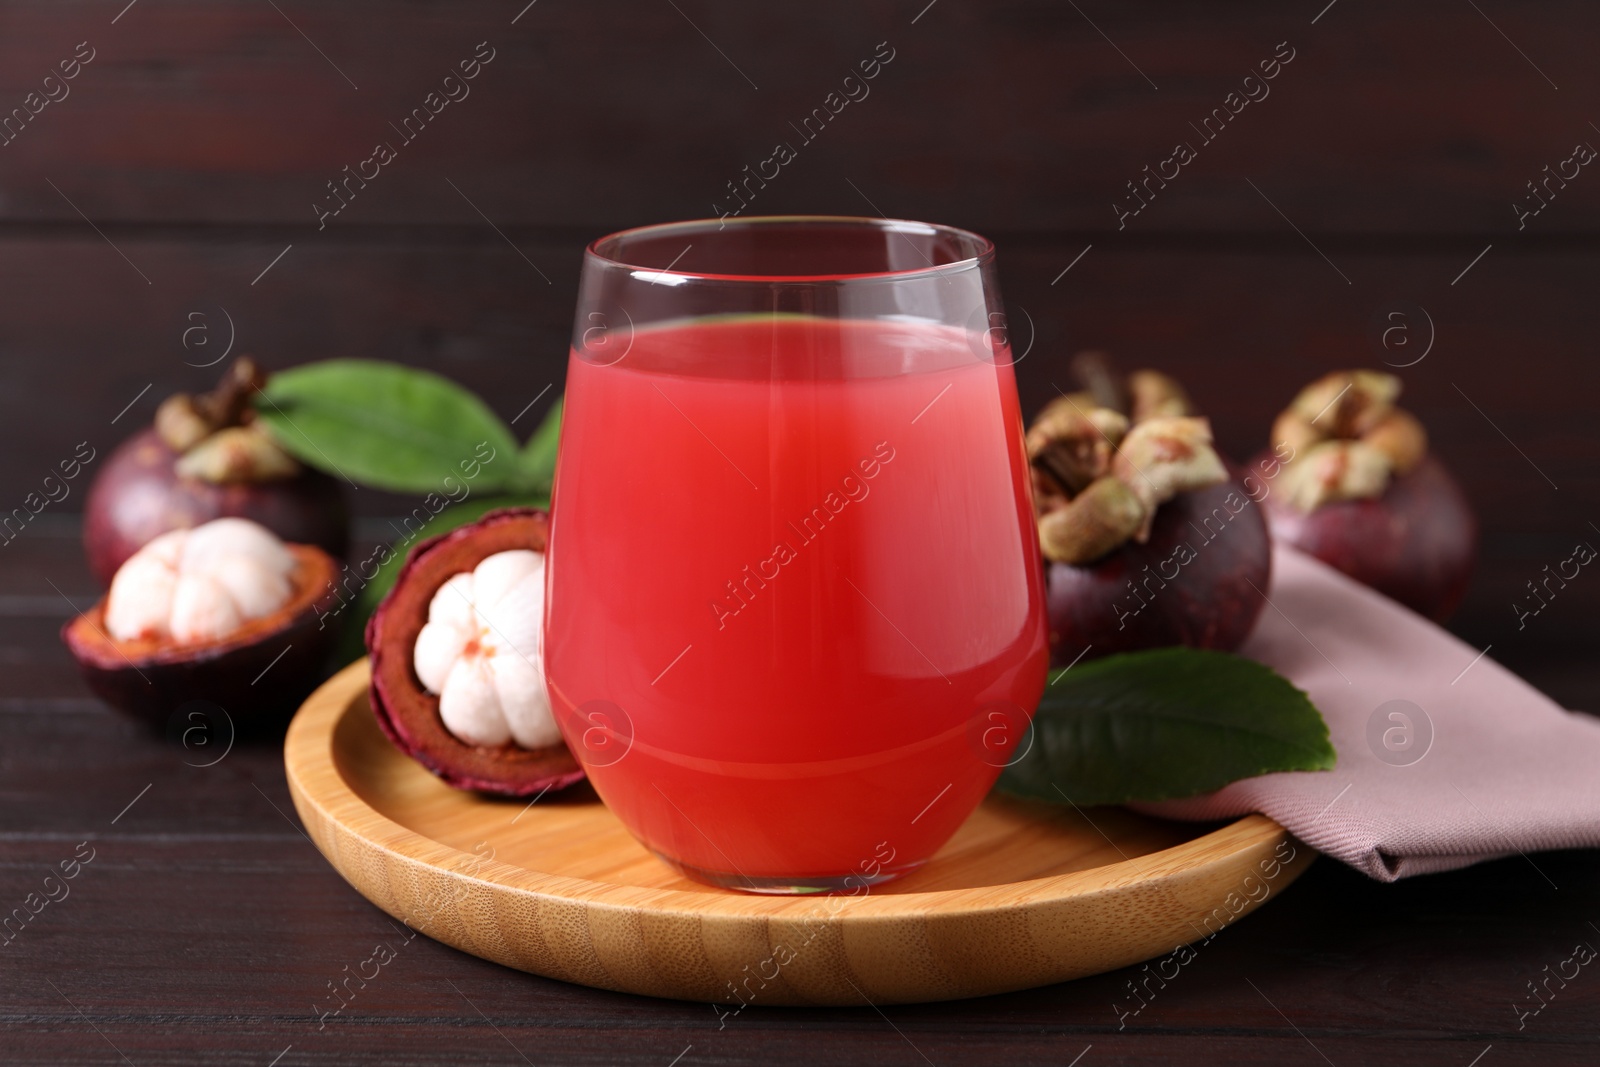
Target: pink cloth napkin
x,y
1506,771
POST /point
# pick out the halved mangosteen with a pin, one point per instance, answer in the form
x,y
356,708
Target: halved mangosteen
x,y
225,612
457,659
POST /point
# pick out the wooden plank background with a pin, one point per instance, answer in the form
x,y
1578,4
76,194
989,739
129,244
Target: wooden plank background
x,y
177,176
199,137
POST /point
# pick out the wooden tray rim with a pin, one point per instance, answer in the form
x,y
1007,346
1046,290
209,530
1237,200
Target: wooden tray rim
x,y
310,742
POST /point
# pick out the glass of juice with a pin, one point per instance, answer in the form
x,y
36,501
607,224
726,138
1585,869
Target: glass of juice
x,y
794,610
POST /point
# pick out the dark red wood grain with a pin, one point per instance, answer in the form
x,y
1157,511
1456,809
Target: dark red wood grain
x,y
1244,328
189,154
1420,118
206,927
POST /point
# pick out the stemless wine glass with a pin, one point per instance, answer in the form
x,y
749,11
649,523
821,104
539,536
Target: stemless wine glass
x,y
794,611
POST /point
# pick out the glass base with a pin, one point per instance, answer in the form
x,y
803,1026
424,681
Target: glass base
x,y
844,884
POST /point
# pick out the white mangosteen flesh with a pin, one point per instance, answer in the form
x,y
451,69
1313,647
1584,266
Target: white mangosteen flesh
x,y
191,586
481,653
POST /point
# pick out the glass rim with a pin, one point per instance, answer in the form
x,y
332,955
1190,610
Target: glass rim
x,y
984,254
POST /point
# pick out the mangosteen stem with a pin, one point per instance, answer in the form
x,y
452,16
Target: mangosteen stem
x,y
1094,370
225,405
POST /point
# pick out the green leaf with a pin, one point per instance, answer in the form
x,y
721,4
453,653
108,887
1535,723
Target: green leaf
x,y
387,426
352,639
1173,722
536,463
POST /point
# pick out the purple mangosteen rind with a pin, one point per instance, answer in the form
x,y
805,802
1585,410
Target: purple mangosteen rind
x,y
1153,595
138,495
1416,543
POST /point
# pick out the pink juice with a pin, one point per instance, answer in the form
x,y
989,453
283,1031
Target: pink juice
x,y
798,555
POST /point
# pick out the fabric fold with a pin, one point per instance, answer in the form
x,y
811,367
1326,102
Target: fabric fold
x,y
1445,757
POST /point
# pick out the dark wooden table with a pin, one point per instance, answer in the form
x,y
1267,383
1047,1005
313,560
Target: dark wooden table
x,y
206,930
173,187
